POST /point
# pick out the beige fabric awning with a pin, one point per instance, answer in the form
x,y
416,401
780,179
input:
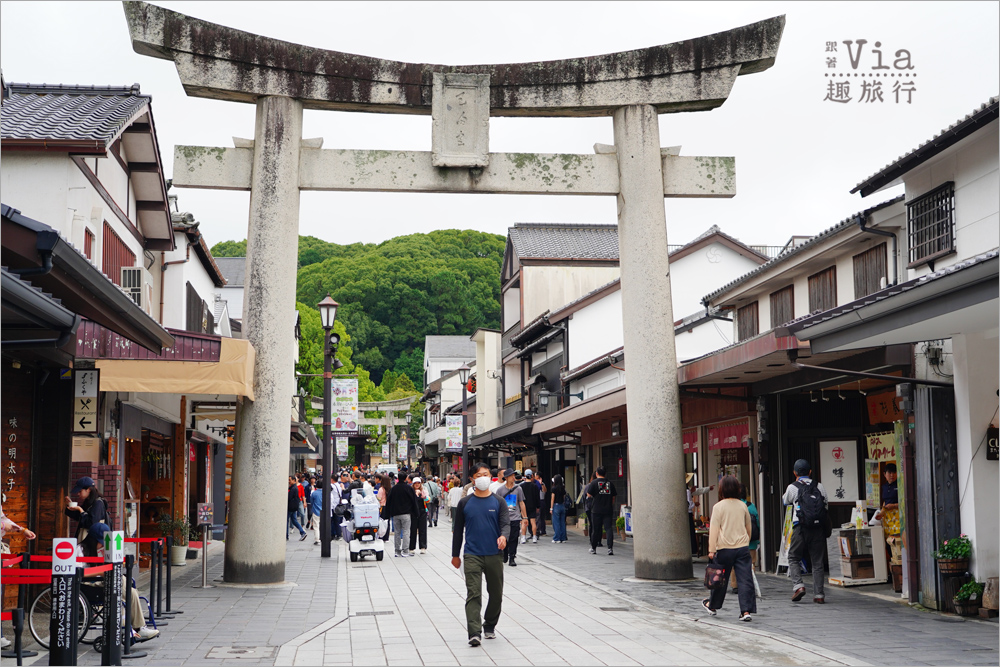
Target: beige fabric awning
x,y
232,374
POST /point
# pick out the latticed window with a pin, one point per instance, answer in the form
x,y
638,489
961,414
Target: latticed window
x,y
869,271
823,290
782,306
931,223
114,255
747,321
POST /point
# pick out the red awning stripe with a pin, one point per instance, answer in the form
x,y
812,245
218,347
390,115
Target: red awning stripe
x,y
729,436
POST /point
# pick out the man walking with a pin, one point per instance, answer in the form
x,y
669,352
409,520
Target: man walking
x,y
514,497
532,501
604,493
433,501
480,520
809,523
401,506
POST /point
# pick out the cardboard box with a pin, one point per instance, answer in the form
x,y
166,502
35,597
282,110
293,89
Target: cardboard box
x,y
858,567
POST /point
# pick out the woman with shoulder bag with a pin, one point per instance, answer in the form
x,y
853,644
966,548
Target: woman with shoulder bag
x,y
728,542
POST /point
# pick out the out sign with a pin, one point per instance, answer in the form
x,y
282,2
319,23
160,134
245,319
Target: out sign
x,y
64,556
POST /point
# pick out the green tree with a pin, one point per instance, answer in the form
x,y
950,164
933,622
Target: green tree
x,y
230,249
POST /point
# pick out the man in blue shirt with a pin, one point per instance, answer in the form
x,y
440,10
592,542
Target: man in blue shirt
x,y
481,520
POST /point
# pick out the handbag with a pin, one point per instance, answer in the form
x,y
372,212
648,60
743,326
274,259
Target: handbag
x,y
714,576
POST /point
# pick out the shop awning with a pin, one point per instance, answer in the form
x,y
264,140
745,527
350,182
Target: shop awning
x,y
690,436
573,417
232,374
729,436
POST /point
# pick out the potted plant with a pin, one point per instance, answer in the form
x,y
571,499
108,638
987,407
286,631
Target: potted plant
x,y
178,529
953,555
967,599
620,526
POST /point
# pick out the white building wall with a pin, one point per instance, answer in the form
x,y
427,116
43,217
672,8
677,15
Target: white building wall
x,y
234,300
603,380
596,330
696,274
488,403
703,339
976,360
511,307
551,287
175,280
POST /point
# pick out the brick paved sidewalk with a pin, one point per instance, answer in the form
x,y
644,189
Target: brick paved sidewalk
x,y
865,627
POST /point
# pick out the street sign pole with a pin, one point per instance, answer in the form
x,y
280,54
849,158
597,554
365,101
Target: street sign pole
x,y
114,553
205,519
62,625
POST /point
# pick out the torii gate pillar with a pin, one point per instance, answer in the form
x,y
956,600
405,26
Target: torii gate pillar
x,y
253,554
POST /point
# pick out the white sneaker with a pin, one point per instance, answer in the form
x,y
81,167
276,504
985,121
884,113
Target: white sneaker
x,y
534,539
522,539
745,616
423,551
146,632
4,642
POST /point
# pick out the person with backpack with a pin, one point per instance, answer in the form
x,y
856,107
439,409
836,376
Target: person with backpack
x,y
810,528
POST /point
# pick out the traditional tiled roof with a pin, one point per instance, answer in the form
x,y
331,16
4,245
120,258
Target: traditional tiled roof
x,y
564,241
844,224
70,113
807,321
985,114
450,347
233,270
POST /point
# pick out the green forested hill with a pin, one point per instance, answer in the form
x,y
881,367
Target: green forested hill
x,y
394,293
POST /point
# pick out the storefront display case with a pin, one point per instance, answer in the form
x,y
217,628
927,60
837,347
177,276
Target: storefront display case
x,y
862,557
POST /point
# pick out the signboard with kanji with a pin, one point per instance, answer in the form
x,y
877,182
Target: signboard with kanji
x,y
838,465
86,383
884,408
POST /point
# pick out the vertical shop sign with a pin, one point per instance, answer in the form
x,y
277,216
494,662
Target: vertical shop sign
x,y
85,400
838,466
402,447
342,447
385,452
453,433
16,461
345,404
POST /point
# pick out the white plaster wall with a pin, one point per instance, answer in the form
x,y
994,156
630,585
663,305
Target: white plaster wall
x,y
973,166
546,353
487,389
976,361
695,275
596,330
511,307
512,380
437,366
703,339
234,299
551,287
175,280
603,380
164,406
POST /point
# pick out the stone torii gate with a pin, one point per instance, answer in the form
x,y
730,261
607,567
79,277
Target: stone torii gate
x,y
632,87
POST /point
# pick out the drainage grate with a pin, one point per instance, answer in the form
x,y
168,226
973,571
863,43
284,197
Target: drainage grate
x,y
373,613
241,652
615,608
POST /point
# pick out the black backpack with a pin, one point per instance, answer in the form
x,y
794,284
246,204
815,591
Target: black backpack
x,y
810,506
754,527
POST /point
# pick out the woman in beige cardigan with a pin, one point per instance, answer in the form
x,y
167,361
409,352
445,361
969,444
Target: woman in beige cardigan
x,y
728,542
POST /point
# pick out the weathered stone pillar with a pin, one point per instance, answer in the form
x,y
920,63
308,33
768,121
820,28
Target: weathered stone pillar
x,y
254,550
662,541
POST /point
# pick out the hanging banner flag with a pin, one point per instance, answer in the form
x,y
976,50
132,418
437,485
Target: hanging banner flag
x,y
402,447
690,437
729,436
342,448
453,433
882,446
344,404
385,452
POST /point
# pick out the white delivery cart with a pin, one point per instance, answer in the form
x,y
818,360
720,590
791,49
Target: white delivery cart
x,y
364,530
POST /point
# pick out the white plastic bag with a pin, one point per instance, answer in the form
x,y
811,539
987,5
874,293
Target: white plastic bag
x,y
383,527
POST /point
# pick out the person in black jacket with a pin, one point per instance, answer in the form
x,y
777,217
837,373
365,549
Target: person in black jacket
x,y
401,505
293,509
91,515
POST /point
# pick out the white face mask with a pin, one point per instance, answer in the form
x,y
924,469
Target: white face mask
x,y
483,483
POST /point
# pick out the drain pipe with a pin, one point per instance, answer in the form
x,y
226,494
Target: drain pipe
x,y
38,270
862,220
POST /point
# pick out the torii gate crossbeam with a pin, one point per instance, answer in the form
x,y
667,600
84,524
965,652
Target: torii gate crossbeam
x,y
282,79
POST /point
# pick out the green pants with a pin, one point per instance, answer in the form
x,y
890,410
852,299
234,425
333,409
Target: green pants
x,y
475,568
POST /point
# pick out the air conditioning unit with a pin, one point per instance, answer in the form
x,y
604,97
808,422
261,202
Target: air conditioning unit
x,y
137,282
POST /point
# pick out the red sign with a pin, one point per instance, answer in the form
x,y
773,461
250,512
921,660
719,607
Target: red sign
x,y
64,550
729,436
884,408
621,468
838,454
691,441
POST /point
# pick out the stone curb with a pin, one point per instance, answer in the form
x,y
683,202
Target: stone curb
x,y
801,646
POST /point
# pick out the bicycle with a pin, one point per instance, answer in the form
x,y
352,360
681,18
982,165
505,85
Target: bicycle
x,y
90,614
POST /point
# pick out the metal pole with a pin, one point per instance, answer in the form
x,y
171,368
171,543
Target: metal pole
x,y
152,581
465,435
204,556
129,587
159,582
324,520
112,652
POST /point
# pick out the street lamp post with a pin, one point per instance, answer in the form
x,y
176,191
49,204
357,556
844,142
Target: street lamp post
x,y
409,418
328,313
463,376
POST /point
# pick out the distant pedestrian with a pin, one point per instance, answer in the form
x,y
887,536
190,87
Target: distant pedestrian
x,y
557,506
513,495
588,506
543,504
694,505
603,492
809,523
754,531
481,521
728,541
316,508
418,523
293,509
433,501
454,496
531,502
401,505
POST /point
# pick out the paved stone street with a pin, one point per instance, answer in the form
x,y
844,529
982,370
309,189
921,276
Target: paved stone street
x,y
561,606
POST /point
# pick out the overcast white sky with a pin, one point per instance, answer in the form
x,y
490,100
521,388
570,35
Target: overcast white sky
x,y
797,155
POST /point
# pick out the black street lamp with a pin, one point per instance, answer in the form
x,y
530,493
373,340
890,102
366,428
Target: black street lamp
x,y
409,418
463,376
328,313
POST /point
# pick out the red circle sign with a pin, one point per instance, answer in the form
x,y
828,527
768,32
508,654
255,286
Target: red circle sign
x,y
63,550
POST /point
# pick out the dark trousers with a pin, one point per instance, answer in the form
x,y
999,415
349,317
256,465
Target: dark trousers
x,y
740,561
601,522
432,512
593,527
542,511
475,568
813,542
293,520
418,528
515,531
694,536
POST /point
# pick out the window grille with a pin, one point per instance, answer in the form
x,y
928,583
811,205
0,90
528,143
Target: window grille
x,y
747,321
869,271
782,306
823,290
931,224
115,254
